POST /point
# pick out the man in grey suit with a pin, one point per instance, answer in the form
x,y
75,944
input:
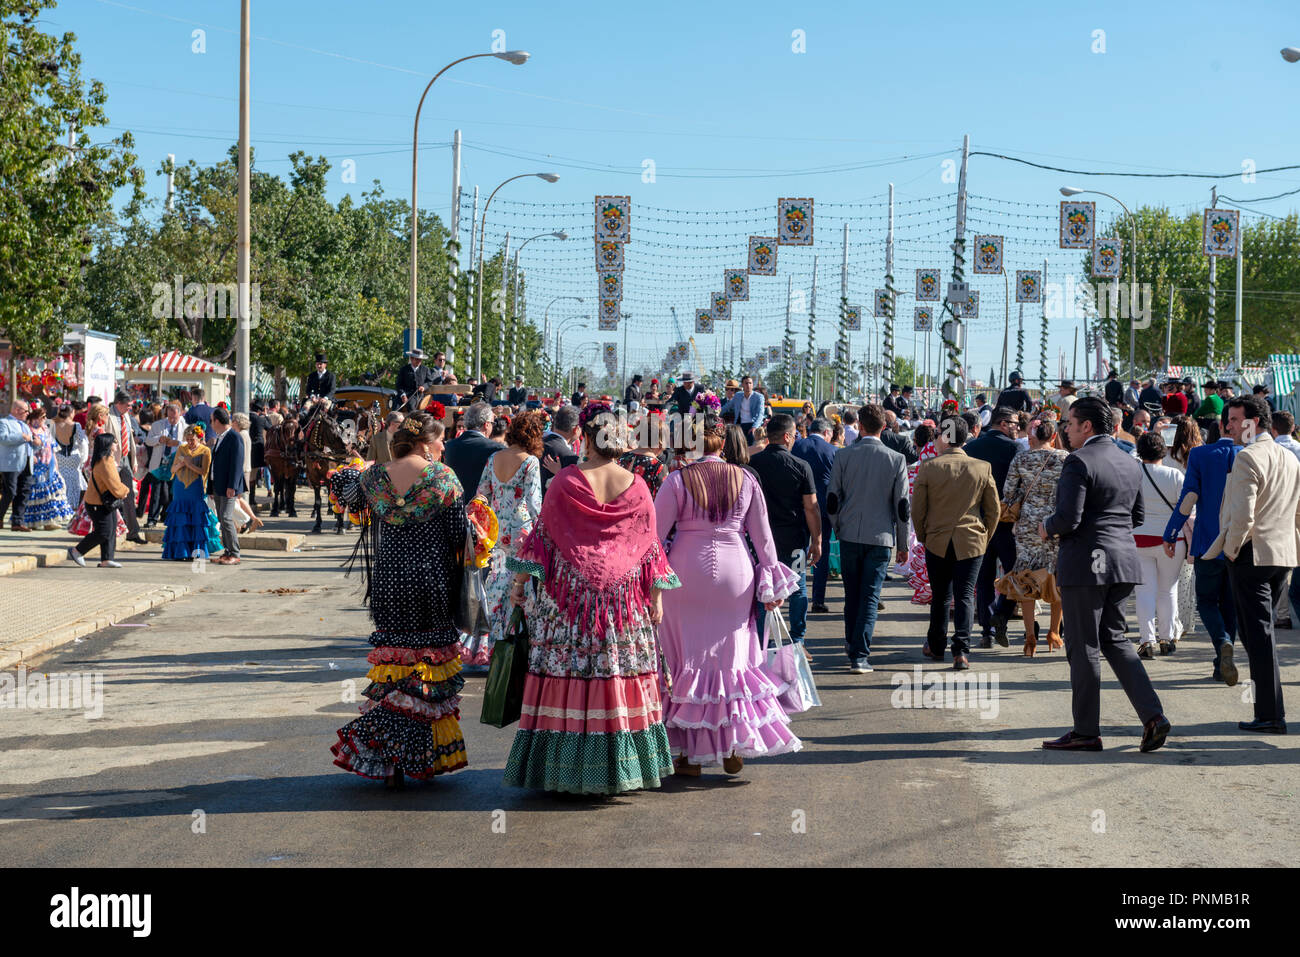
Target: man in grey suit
x,y
866,500
1097,507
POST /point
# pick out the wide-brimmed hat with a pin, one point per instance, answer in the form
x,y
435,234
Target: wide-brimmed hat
x,y
731,384
1067,384
416,354
687,377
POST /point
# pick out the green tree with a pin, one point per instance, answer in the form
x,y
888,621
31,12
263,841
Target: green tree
x,y
51,196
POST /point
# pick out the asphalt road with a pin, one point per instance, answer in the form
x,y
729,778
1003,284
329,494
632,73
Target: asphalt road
x,y
212,749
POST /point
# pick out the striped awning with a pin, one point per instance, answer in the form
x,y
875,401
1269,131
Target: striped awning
x,y
179,362
1284,372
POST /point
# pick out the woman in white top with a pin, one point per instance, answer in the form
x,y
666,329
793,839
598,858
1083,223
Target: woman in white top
x,y
1157,595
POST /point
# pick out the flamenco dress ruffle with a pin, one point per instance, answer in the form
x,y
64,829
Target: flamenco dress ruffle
x,y
410,721
193,530
47,501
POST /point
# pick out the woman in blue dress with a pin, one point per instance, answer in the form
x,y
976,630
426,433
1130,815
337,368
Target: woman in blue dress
x,y
192,527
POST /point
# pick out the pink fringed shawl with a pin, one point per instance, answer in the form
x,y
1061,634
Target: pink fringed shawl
x,y
598,560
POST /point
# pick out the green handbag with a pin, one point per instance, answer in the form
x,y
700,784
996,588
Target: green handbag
x,y
503,693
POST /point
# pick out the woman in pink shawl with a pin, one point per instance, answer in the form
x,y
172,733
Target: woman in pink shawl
x,y
722,706
592,721
917,576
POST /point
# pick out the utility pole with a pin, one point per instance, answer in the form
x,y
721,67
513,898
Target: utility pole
x,y
887,368
471,281
954,382
505,308
812,329
1074,363
787,344
1209,329
242,365
1236,323
842,360
1169,329
453,251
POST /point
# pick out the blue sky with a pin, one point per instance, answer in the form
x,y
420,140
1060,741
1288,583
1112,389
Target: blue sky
x,y
732,119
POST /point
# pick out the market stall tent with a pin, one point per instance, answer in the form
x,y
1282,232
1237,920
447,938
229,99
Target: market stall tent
x,y
180,370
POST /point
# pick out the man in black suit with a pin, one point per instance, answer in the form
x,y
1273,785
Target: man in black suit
x,y
1097,507
468,452
518,394
897,441
225,482
321,382
632,394
997,446
413,380
579,396
684,395
558,443
1114,388
1015,398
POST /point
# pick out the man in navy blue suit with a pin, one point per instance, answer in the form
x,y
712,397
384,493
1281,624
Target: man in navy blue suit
x,y
225,482
468,452
818,452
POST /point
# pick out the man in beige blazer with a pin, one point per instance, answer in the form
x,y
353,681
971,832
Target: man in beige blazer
x,y
1258,533
955,513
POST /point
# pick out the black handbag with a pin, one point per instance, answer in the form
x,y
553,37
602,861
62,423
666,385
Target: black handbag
x,y
112,504
470,614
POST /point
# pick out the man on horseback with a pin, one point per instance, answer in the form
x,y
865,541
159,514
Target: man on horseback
x,y
413,380
321,382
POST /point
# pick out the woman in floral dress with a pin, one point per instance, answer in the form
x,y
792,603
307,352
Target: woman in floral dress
x,y
71,451
517,501
592,719
917,574
1031,480
646,460
412,545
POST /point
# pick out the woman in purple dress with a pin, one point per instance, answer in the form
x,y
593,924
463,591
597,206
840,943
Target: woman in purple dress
x,y
722,707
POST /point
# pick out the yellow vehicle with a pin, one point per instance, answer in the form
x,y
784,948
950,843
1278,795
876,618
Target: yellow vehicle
x,y
779,403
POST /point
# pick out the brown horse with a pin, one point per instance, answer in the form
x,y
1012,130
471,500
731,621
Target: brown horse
x,y
327,447
284,459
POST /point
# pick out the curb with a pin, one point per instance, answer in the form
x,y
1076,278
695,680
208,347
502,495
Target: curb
x,y
253,541
44,557
24,651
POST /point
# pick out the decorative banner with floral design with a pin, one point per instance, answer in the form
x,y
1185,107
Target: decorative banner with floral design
x,y
721,306
735,284
605,324
794,222
762,255
823,357
928,282
1107,258
611,309
1078,224
1029,285
922,319
613,219
1221,232
703,320
773,353
853,318
881,310
988,255
611,352
971,308
611,285
609,256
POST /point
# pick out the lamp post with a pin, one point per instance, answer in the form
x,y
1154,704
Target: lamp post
x,y
482,233
518,58
573,372
514,300
1291,54
559,342
1132,289
546,327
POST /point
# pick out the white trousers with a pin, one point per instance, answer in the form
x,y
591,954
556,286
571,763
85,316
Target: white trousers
x,y
1157,596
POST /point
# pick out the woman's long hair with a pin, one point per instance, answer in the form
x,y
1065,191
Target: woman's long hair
x,y
103,448
1186,438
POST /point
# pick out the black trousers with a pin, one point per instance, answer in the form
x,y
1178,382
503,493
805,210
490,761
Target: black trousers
x,y
128,507
951,578
988,601
1094,626
13,491
160,496
1255,590
103,532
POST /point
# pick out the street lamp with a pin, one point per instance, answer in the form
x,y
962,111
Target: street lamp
x,y
1291,54
546,322
1132,289
482,232
518,58
558,234
559,340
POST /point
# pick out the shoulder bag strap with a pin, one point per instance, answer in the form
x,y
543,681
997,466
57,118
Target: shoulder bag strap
x,y
1147,472
1024,496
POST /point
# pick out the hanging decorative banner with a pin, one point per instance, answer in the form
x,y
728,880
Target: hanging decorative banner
x,y
611,352
605,324
882,304
1078,222
988,255
703,320
853,318
762,255
609,256
611,285
970,309
1221,232
823,357
735,284
1107,258
613,219
794,222
923,319
610,309
927,285
1029,285
721,306
760,360
773,353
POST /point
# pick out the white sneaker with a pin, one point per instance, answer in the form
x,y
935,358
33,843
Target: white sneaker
x,y
74,555
110,564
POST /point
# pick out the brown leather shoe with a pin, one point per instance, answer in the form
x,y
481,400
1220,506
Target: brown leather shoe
x,y
20,528
682,767
733,763
1154,732
1073,742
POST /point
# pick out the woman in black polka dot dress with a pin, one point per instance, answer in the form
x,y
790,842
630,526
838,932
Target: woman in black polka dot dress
x,y
411,545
